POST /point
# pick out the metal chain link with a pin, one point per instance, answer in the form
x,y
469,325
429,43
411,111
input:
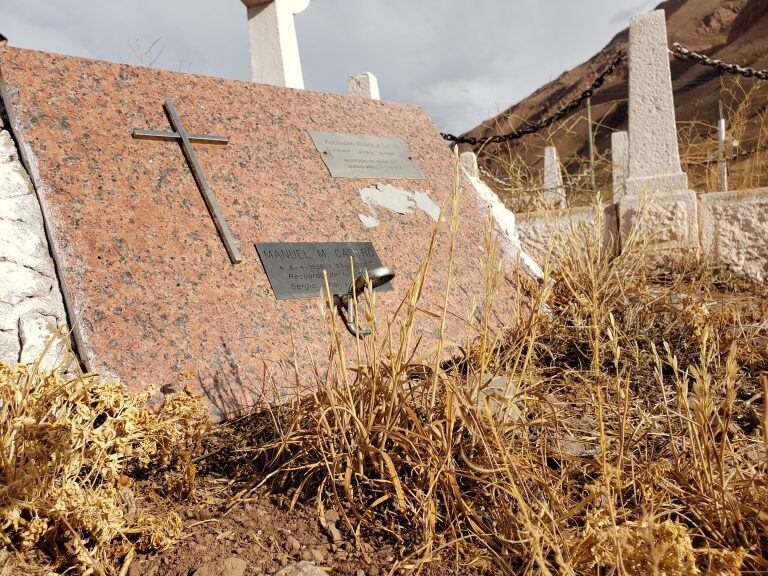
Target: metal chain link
x,y
685,54
559,115
677,49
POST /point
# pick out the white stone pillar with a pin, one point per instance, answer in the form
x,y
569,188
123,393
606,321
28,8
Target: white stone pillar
x,y
620,164
657,200
365,85
468,161
554,190
274,47
722,134
654,158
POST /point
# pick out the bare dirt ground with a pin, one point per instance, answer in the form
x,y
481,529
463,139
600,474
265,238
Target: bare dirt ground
x,y
264,533
258,535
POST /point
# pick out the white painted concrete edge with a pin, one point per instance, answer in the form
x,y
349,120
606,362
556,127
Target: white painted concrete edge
x,y
505,220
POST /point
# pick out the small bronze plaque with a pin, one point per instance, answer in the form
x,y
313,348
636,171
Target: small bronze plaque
x,y
365,156
295,269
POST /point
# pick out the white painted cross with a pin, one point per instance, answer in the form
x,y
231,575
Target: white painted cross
x,y
274,47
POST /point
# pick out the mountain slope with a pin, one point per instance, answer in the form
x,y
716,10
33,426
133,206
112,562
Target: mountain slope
x,y
734,31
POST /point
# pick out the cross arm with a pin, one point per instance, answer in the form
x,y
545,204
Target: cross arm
x,y
163,136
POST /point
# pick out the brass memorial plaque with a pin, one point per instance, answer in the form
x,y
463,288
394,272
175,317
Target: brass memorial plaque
x,y
366,156
295,269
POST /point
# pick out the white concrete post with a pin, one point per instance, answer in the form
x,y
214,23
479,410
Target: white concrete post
x,y
620,164
468,161
657,201
274,47
722,134
365,85
654,158
554,191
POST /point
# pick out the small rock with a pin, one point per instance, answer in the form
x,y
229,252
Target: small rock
x,y
332,516
334,533
360,573
292,544
128,500
301,569
230,567
498,394
317,555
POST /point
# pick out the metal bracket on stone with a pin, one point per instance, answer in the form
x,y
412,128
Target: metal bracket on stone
x,y
346,304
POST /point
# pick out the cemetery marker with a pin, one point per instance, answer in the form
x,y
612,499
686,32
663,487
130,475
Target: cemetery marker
x,y
140,266
349,155
295,269
197,171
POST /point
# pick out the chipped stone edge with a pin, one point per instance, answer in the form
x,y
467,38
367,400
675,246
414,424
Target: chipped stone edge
x,y
728,241
28,163
505,220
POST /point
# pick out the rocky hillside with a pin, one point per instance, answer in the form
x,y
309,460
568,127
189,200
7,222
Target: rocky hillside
x,y
733,30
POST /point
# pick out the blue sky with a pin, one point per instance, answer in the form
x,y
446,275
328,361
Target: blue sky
x,y
464,61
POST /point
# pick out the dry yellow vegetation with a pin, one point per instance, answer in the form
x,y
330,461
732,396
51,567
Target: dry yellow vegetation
x,y
71,447
616,425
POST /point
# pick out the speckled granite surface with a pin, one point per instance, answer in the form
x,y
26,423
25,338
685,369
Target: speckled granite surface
x,y
149,287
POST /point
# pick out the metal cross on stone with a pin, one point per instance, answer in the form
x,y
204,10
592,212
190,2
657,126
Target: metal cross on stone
x,y
189,153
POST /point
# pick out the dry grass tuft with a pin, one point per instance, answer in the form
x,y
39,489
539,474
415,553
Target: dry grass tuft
x,y
69,446
745,109
620,426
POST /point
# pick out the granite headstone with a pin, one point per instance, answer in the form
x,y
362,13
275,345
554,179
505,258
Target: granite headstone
x,y
150,291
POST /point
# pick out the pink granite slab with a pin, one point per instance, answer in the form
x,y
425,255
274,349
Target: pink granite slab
x,y
150,291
